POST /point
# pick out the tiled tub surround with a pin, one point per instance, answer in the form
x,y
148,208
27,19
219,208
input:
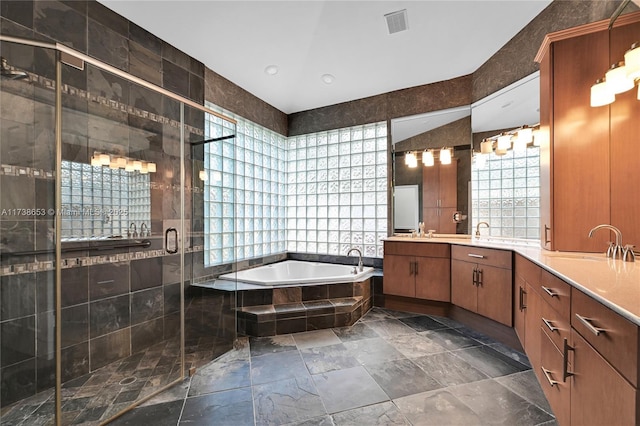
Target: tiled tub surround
x,y
389,368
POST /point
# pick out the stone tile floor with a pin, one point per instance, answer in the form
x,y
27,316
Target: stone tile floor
x,y
390,368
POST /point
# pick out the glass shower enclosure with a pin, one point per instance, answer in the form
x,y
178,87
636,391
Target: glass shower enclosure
x,y
101,235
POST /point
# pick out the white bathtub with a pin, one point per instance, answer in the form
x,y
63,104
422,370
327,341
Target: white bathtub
x,y
295,272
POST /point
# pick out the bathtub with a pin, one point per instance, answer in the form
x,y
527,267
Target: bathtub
x,y
295,273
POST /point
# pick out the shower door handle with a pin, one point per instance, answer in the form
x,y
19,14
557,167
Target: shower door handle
x,y
171,240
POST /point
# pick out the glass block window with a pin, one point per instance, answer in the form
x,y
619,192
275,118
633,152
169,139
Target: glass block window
x,y
99,202
244,192
506,194
337,191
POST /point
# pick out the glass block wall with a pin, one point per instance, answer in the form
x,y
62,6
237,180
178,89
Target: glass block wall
x,y
244,192
506,194
337,191
99,202
317,193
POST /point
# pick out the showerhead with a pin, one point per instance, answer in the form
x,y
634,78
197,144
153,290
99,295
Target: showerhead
x,y
8,72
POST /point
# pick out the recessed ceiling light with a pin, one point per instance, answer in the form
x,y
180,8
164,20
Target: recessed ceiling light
x,y
327,78
271,70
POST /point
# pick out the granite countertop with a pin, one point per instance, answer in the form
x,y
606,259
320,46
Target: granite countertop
x,y
614,283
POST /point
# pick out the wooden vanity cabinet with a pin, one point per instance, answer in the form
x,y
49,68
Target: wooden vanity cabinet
x,y
482,282
440,197
527,308
417,269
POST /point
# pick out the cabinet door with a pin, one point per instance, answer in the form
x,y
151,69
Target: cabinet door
x,y
447,225
463,291
599,395
449,185
431,218
532,331
430,187
557,390
398,275
494,294
433,279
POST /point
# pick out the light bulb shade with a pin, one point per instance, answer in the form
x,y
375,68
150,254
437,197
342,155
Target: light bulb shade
x,y
411,160
144,169
632,61
151,167
445,156
105,159
486,146
129,166
504,142
121,162
525,135
202,174
519,145
601,95
617,80
481,161
500,152
95,161
137,165
427,158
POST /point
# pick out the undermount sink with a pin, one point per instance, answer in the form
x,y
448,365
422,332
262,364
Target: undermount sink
x,y
575,256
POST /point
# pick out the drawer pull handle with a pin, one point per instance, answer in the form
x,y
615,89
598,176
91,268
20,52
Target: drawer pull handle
x,y
547,240
547,374
587,323
415,268
475,277
477,256
479,277
549,291
549,325
565,361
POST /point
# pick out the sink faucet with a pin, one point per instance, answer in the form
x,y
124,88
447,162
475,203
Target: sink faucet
x,y
478,228
144,231
134,233
615,249
360,266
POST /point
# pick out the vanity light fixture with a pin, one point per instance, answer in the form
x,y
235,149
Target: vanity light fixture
x,y
427,158
504,142
411,159
522,137
120,162
621,77
445,156
486,146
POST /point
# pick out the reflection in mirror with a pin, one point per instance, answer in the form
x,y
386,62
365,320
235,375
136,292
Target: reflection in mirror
x,y
505,177
422,145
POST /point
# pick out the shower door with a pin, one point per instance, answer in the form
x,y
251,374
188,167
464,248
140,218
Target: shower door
x,y
101,236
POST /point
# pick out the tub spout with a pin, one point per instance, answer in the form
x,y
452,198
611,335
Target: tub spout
x,y
360,266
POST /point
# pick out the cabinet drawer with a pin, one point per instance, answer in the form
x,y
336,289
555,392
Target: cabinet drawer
x,y
550,374
556,326
615,338
556,293
527,270
416,248
482,256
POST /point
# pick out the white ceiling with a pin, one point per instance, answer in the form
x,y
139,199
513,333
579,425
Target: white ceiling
x,y
348,39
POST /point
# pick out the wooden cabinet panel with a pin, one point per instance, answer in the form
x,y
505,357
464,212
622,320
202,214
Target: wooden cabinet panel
x,y
433,280
449,184
520,309
556,293
417,248
557,390
495,294
483,256
544,138
431,186
616,339
599,395
555,325
526,269
398,277
532,331
463,291
440,197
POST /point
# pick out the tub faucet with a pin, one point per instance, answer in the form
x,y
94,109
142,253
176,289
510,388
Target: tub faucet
x,y
360,266
134,233
144,231
615,249
478,228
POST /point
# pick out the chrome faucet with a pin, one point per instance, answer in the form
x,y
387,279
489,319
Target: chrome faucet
x,y
478,228
360,266
134,233
144,231
615,249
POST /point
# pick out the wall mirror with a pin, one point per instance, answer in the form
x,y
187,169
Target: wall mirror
x,y
418,161
505,183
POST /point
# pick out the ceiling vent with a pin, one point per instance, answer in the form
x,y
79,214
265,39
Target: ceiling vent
x,y
397,21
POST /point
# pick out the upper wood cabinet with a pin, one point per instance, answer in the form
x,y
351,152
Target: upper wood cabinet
x,y
440,197
589,156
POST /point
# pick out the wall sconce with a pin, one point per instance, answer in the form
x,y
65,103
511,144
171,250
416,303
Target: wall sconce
x,y
504,142
428,157
115,162
411,160
621,77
